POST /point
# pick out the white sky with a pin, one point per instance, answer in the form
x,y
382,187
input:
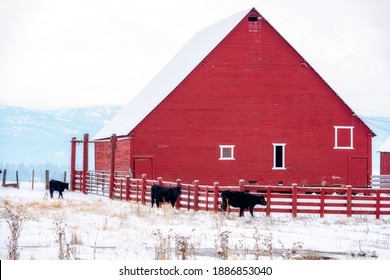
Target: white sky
x,y
72,53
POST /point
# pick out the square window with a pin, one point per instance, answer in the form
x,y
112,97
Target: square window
x,y
343,137
226,152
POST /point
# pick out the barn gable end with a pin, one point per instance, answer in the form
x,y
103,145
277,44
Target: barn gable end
x,y
246,106
169,77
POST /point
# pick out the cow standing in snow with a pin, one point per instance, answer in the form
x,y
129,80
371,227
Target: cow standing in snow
x,y
243,200
58,186
162,194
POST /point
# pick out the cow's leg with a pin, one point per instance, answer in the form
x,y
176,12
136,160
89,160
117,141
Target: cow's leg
x,y
153,197
60,195
251,210
224,203
241,211
51,193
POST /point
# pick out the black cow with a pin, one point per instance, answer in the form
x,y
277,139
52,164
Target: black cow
x,y
57,186
242,200
163,194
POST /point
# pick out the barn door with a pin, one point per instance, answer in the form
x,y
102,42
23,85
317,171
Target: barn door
x,y
358,171
143,165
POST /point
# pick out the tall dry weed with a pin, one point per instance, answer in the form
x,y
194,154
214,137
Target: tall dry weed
x,y
66,251
293,253
241,250
184,247
75,239
222,245
15,216
219,220
162,249
263,244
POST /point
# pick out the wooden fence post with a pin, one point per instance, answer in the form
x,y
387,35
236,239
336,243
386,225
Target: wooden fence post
x,y
322,203
47,179
72,164
4,177
137,190
85,163
216,196
378,204
294,202
32,179
241,185
178,204
207,198
127,188
121,189
143,190
349,201
196,195
103,182
112,165
268,207
17,179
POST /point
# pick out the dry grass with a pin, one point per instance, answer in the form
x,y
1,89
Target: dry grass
x,y
107,221
312,256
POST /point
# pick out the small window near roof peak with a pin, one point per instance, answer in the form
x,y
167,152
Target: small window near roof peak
x,y
252,18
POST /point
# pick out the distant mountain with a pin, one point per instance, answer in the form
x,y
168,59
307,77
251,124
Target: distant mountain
x,y
43,138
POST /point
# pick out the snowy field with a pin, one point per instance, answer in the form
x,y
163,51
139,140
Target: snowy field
x,y
89,227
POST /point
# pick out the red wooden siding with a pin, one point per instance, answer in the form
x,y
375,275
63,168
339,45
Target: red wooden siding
x,y
385,163
252,91
103,155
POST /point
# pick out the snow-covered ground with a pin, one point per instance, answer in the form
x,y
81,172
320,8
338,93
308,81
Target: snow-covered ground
x,y
97,228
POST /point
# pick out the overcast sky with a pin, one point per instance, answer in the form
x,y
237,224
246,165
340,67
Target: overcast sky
x,y
73,53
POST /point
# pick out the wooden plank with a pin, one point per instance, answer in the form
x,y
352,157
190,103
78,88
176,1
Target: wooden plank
x,y
380,176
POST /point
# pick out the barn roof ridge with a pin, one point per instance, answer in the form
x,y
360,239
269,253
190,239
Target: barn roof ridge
x,y
170,76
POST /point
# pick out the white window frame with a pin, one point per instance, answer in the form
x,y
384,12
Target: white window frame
x,y
336,129
283,145
222,147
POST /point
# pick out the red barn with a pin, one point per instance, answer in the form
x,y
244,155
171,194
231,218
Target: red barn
x,y
384,151
239,102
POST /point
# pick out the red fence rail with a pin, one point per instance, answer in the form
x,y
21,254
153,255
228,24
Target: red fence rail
x,y
280,199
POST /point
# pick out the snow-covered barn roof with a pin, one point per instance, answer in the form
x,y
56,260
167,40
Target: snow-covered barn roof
x,y
385,147
180,66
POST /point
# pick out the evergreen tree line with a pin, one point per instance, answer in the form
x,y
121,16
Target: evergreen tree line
x,y
25,170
